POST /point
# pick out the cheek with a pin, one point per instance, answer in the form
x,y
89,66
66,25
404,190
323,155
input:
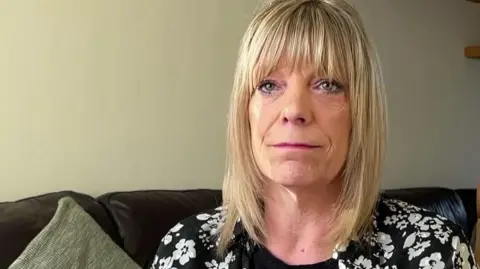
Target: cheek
x,y
254,117
346,124
258,131
339,127
257,117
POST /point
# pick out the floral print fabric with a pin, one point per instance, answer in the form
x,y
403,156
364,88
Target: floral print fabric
x,y
403,236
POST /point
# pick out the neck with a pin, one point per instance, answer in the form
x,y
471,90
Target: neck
x,y
298,222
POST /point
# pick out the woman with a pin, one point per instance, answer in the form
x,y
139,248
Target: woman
x,y
306,140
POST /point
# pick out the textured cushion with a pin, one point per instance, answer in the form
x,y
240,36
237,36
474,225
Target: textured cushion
x,y
22,220
73,240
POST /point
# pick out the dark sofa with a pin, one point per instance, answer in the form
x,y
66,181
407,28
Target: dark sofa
x,y
137,220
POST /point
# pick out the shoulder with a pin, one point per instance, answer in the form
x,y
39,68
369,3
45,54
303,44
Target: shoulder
x,y
418,236
399,216
402,215
191,241
200,227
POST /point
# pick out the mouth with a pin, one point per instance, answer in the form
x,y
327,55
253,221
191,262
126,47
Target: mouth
x,y
288,145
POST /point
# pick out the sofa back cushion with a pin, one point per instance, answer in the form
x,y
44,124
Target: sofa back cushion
x,y
469,199
144,217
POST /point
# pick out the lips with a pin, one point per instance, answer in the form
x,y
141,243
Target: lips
x,y
296,145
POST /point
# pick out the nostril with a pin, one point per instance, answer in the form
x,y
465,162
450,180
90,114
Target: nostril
x,y
300,120
296,120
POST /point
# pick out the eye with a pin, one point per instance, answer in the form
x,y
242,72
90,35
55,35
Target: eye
x,y
329,86
267,86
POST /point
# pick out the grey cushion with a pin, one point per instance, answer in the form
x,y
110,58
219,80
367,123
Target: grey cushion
x,y
72,239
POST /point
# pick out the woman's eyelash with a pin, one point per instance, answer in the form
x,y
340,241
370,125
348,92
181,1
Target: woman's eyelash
x,y
329,85
267,86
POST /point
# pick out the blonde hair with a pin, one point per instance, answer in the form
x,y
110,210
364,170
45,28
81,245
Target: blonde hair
x,y
330,35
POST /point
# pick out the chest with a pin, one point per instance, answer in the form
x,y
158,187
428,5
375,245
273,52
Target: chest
x,y
243,259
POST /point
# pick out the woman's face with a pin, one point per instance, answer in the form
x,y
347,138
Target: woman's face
x,y
300,127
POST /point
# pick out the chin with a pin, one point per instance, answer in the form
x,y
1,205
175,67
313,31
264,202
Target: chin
x,y
295,175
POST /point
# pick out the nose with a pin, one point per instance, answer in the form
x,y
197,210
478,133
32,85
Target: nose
x,y
297,109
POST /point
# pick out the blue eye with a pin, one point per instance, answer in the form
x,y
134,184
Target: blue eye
x,y
329,86
267,86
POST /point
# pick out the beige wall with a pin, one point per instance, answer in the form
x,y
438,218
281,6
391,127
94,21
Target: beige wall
x,y
99,96
433,91
110,95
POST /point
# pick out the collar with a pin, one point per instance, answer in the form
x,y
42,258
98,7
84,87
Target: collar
x,y
242,239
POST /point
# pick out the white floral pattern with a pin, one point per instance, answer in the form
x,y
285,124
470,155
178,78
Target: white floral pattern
x,y
462,253
434,261
185,250
166,262
403,236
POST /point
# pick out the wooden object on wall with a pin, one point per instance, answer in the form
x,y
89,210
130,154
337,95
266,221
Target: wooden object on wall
x,y
472,52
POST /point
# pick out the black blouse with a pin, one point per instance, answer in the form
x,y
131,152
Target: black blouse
x,y
403,236
264,259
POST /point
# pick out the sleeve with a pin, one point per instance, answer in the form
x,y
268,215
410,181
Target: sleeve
x,y
463,256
